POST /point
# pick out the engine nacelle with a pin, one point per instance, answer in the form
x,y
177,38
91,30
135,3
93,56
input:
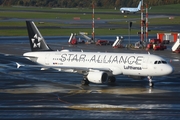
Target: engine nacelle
x,y
97,77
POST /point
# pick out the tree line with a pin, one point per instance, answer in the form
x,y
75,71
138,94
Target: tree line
x,y
85,3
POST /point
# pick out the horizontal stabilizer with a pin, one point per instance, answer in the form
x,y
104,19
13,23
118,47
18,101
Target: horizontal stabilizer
x,y
18,65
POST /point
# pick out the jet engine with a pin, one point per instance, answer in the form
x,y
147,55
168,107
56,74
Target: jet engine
x,y
97,77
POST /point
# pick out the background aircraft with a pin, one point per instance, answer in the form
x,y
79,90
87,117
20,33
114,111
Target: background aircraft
x,y
130,9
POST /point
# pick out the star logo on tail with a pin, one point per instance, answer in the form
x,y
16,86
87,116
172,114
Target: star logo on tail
x,y
36,41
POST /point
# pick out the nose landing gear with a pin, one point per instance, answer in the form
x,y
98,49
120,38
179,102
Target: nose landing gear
x,y
151,84
85,81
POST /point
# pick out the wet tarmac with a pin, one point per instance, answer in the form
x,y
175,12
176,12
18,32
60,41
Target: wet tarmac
x,y
28,93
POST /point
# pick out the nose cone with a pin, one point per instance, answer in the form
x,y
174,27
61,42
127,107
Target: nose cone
x,y
168,70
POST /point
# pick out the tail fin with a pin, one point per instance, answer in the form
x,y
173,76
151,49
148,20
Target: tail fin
x,y
139,6
36,40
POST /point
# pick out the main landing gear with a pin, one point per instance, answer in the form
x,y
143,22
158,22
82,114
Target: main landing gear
x,y
111,79
85,81
151,84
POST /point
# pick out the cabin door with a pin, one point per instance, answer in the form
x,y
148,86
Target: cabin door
x,y
145,62
47,59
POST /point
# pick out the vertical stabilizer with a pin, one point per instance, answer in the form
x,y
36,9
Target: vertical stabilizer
x,y
36,40
139,6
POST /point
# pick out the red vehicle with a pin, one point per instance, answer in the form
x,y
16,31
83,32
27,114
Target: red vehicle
x,y
159,47
102,42
149,46
73,41
155,41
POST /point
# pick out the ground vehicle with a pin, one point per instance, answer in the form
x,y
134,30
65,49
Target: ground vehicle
x,y
101,42
159,46
104,42
156,44
155,41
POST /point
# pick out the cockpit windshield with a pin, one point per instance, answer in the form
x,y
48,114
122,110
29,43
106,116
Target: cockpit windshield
x,y
160,62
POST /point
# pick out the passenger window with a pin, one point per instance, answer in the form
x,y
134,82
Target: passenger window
x,y
155,62
159,62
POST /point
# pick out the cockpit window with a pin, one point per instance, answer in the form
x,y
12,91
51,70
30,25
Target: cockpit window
x,y
160,62
164,62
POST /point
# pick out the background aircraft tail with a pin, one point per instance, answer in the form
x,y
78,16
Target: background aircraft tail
x,y
36,40
139,6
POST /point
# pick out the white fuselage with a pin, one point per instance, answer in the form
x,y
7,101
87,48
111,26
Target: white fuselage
x,y
132,10
117,63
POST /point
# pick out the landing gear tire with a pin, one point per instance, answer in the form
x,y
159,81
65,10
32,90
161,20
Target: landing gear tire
x,y
84,82
151,84
111,79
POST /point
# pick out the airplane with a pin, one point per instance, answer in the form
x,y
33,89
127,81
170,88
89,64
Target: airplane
x,y
96,67
130,9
